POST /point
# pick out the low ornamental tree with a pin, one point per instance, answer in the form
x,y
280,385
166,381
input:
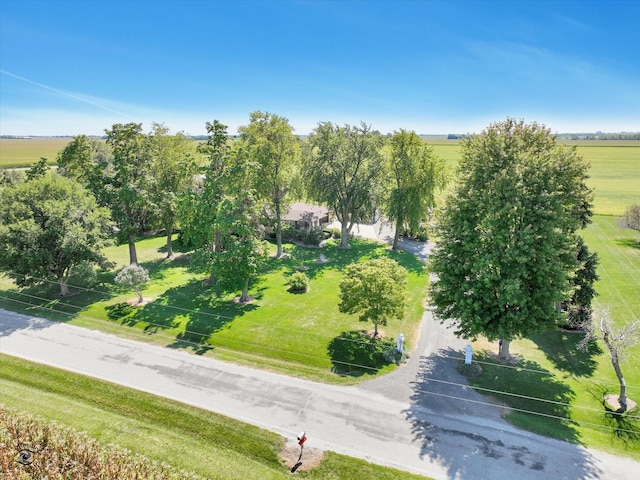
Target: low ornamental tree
x,y
135,277
377,289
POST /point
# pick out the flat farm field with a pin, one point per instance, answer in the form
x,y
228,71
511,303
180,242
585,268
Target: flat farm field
x,y
24,152
614,172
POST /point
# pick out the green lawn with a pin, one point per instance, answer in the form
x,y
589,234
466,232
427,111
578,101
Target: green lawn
x,y
572,381
279,330
185,437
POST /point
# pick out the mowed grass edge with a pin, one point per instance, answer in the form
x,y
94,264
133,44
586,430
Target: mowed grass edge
x,y
183,436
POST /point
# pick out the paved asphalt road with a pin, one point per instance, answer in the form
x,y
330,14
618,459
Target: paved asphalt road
x,y
398,420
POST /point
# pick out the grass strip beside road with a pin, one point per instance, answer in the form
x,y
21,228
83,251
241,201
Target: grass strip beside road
x,y
185,437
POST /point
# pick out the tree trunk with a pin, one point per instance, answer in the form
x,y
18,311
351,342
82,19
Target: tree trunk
x,y
140,299
615,360
344,236
504,350
396,236
169,243
375,330
278,231
133,256
64,288
245,291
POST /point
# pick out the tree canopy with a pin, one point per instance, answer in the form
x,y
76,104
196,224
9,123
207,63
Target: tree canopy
x,y
271,145
130,194
507,249
173,165
416,173
48,226
343,169
376,289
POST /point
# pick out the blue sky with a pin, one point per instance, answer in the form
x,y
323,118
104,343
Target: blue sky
x,y
79,66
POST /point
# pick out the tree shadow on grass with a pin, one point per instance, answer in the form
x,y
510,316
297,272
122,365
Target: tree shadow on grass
x,y
441,396
629,242
307,259
354,353
561,348
625,427
193,312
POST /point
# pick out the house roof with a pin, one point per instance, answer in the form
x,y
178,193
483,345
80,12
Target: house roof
x,y
298,211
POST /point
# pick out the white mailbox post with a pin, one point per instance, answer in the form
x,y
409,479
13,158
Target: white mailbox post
x,y
467,355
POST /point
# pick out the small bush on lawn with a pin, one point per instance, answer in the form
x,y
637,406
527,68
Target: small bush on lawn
x,y
299,282
313,236
392,355
356,353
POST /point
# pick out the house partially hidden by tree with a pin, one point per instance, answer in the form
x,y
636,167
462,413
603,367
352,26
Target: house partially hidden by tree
x,y
306,216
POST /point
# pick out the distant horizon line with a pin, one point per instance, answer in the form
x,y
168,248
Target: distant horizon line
x,y
460,135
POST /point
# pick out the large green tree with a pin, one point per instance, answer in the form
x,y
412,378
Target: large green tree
x,y
243,250
377,289
343,169
90,162
173,165
49,226
415,175
130,196
275,151
507,250
198,207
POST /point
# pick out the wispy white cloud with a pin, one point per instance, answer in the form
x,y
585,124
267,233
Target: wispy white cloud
x,y
93,101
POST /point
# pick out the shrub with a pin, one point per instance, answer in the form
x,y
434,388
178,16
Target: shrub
x,y
313,236
355,353
299,282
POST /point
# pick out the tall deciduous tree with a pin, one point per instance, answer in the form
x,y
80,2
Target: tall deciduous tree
x,y
243,250
416,173
173,164
131,202
343,170
49,226
507,249
271,145
199,206
90,162
376,289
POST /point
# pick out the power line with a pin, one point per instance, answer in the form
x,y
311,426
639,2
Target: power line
x,y
274,349
217,316
263,347
556,417
421,390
